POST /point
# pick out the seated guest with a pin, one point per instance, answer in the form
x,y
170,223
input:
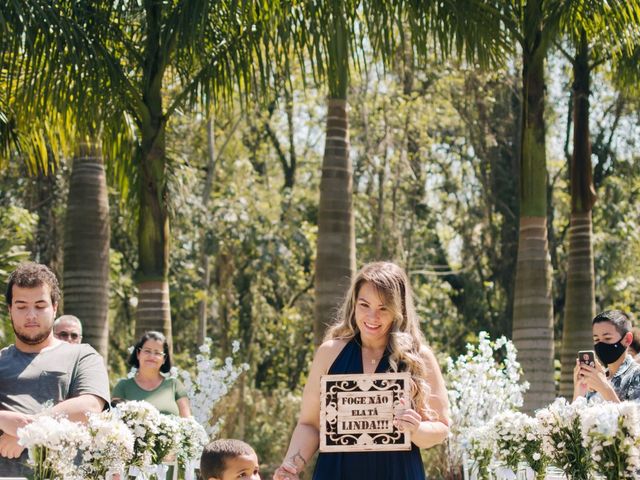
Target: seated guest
x,y
39,368
621,379
68,329
150,356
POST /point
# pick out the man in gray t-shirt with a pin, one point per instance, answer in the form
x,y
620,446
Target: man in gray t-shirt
x,y
40,368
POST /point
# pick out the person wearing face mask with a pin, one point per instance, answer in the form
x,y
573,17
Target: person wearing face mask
x,y
621,380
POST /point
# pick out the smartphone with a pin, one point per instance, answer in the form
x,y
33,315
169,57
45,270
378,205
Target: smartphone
x,y
588,357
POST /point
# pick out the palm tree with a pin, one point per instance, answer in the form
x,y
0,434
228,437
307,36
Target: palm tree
x,y
590,52
204,50
535,25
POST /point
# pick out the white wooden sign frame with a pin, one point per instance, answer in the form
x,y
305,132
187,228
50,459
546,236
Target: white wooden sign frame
x,y
357,411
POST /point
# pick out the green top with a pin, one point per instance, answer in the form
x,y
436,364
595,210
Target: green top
x,y
163,397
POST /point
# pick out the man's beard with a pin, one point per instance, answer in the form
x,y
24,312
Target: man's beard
x,y
31,340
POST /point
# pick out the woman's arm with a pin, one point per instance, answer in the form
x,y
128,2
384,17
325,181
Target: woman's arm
x,y
432,427
184,408
305,438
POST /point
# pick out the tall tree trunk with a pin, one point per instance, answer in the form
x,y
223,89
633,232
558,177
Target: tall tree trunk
x,y
533,307
580,304
154,311
86,247
336,258
335,261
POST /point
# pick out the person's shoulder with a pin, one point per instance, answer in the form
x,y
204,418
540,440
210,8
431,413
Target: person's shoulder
x,y
328,351
335,345
8,350
427,355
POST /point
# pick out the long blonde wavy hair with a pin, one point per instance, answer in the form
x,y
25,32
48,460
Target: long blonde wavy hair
x,y
405,337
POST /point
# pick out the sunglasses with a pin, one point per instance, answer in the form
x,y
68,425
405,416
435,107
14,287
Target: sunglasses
x,y
65,335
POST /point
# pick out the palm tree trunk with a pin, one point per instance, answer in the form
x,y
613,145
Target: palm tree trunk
x,y
336,256
580,291
533,307
86,247
335,261
154,311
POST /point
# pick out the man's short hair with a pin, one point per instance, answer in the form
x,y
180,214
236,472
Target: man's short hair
x,y
618,318
67,318
214,455
33,275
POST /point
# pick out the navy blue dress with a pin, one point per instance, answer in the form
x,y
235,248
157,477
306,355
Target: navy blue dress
x,y
396,465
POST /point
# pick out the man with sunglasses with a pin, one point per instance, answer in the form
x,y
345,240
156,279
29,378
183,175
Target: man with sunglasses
x,y
68,329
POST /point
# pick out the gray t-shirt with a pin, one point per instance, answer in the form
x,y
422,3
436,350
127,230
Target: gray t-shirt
x,y
29,380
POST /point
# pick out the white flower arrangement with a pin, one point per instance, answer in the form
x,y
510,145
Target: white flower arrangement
x,y
143,419
212,382
480,443
110,449
480,387
167,438
193,439
559,425
518,439
610,431
53,444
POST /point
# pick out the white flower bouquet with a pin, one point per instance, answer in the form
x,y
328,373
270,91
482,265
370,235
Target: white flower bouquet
x,y
559,425
167,438
480,443
53,444
110,448
518,439
193,439
480,386
143,419
610,431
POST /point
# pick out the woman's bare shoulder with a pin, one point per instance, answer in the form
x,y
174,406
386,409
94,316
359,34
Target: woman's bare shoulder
x,y
328,351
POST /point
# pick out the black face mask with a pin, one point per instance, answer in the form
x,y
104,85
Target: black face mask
x,y
608,353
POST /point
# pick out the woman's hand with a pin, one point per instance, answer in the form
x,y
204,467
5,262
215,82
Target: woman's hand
x,y
286,471
594,378
579,386
407,419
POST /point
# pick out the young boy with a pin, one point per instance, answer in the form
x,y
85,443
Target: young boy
x,y
228,460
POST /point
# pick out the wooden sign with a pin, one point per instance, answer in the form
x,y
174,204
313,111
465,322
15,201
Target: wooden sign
x,y
357,411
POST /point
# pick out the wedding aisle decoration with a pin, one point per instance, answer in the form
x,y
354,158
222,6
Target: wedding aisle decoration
x,y
110,448
213,380
611,433
132,439
562,438
491,439
53,443
481,383
519,440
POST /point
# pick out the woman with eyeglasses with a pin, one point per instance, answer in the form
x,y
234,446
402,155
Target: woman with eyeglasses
x,y
151,358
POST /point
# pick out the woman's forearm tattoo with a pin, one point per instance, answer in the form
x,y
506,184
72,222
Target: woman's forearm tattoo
x,y
298,460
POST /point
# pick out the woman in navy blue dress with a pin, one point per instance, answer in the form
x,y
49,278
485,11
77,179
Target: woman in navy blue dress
x,y
377,330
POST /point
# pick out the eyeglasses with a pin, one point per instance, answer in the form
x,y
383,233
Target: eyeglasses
x,y
151,353
65,335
